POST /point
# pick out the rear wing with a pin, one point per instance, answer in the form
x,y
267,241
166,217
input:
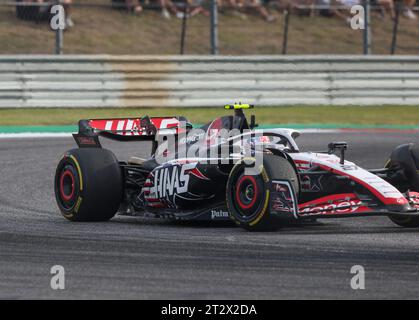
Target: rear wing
x,y
128,129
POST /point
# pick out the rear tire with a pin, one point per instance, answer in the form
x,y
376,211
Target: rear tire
x,y
247,196
88,185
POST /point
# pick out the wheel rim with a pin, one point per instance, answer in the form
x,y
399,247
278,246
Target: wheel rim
x,y
67,187
247,196
246,192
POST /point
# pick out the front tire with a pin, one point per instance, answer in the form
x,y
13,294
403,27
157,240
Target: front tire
x,y
405,222
88,185
248,195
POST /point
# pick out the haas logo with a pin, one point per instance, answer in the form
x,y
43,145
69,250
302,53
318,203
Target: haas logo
x,y
171,180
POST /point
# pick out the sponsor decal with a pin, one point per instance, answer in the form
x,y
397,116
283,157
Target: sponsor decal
x,y
335,204
78,204
283,199
86,141
341,207
171,180
302,166
193,137
305,183
133,126
216,214
310,184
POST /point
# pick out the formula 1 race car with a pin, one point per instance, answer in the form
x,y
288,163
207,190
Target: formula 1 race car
x,y
257,178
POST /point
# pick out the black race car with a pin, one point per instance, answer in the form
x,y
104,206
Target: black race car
x,y
228,170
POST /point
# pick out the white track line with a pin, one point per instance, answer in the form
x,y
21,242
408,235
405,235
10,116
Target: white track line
x,y
30,135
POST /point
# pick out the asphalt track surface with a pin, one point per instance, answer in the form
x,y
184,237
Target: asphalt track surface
x,y
136,258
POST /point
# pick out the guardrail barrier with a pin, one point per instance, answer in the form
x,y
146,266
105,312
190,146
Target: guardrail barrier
x,y
193,81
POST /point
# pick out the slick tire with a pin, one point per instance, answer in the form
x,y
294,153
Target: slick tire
x,y
88,185
248,195
406,222
406,157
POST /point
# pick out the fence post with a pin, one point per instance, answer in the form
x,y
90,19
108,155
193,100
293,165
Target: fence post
x,y
286,14
59,35
367,31
214,27
395,29
183,34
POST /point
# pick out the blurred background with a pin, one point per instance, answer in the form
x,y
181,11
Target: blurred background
x,y
244,27
162,53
